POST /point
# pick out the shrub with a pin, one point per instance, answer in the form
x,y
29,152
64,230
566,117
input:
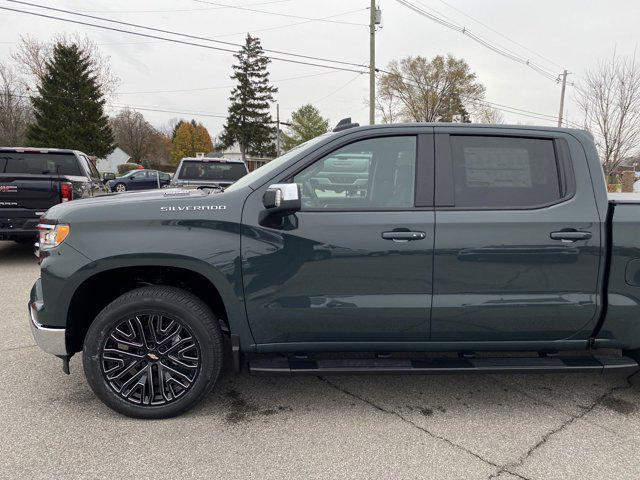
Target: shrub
x,y
125,167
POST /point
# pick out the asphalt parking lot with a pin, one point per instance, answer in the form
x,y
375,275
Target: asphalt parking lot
x,y
387,427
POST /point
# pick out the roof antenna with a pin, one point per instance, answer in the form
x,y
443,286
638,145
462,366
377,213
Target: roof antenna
x,y
345,124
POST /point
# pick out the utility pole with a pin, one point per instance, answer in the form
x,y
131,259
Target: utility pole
x,y
564,86
277,130
373,20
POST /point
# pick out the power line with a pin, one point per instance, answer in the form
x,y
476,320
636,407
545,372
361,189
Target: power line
x,y
182,42
184,9
266,12
497,106
186,35
495,48
222,86
231,34
547,59
333,92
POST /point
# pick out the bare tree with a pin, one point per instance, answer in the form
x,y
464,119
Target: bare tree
x,y
32,56
609,98
15,109
416,89
485,113
134,134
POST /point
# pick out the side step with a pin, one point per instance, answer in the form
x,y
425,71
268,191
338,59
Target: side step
x,y
294,366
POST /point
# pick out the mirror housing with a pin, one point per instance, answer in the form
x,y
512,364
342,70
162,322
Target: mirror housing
x,y
282,198
108,176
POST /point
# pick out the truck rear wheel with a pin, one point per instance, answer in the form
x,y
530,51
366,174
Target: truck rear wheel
x,y
154,352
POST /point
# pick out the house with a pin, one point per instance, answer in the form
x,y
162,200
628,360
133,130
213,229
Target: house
x,y
110,163
234,153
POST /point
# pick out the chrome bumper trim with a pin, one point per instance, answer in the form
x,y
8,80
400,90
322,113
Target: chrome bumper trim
x,y
51,340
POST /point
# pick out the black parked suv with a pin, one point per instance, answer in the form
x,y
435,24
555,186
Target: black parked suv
x,y
417,248
34,179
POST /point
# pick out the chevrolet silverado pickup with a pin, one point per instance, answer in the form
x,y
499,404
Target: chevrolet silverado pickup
x,y
417,248
34,179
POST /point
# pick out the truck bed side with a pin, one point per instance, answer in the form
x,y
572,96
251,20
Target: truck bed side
x,y
621,324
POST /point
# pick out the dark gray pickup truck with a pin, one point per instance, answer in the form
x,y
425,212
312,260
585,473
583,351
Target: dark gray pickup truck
x,y
460,248
34,179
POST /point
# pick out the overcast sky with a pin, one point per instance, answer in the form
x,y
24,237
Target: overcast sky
x,y
571,34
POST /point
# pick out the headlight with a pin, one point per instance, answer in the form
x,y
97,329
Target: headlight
x,y
52,235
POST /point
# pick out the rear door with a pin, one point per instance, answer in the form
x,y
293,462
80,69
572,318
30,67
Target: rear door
x,y
354,266
138,180
517,247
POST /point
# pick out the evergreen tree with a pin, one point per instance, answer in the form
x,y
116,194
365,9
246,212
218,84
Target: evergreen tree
x,y
69,108
249,120
306,123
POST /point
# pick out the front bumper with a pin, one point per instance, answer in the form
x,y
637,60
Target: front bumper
x,y
51,340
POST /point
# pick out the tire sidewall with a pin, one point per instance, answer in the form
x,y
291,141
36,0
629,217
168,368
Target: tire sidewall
x,y
210,364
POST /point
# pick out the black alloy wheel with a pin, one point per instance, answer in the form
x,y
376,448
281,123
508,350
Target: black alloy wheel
x,y
150,359
153,352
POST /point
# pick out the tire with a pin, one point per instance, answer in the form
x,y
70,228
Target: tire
x,y
188,353
120,187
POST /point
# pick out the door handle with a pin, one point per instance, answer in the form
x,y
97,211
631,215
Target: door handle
x,y
403,236
572,235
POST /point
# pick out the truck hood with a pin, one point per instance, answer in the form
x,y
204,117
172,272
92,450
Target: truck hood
x,y
116,201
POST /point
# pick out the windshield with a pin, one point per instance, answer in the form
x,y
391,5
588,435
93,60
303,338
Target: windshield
x,y
269,167
39,163
211,171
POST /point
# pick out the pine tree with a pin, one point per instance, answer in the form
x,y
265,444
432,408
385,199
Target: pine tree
x,y
306,123
249,120
69,108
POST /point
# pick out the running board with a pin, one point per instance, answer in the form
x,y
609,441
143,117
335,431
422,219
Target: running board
x,y
294,366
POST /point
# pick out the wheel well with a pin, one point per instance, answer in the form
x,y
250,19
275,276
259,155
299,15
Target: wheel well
x,y
97,292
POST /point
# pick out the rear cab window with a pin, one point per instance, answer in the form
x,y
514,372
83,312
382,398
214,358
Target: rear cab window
x,y
34,163
214,171
505,172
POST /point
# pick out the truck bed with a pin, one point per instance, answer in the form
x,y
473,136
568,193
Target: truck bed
x,y
620,327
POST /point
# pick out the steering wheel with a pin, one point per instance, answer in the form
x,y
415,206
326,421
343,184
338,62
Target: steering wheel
x,y
311,197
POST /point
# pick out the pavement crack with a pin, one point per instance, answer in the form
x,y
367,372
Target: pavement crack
x,y
508,468
540,401
410,422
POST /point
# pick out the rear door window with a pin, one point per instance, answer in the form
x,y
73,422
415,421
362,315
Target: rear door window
x,y
39,163
504,172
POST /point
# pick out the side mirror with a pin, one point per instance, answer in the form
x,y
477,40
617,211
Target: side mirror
x,y
282,198
108,176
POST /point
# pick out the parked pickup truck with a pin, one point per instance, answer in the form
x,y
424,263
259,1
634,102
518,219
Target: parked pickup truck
x,y
202,172
464,240
34,179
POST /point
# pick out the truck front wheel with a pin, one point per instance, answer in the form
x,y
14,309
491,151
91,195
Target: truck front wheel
x,y
154,352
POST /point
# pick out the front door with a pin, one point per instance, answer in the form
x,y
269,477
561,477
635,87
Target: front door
x,y
354,266
517,248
